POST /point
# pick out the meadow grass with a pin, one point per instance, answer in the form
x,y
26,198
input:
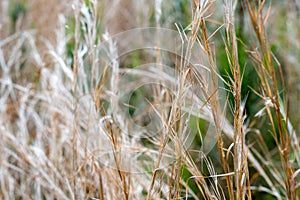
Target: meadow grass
x,y
149,100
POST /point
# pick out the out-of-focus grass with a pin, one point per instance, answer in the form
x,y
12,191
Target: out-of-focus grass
x,y
59,109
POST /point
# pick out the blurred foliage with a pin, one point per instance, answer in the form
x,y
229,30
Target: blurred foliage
x,y
17,9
